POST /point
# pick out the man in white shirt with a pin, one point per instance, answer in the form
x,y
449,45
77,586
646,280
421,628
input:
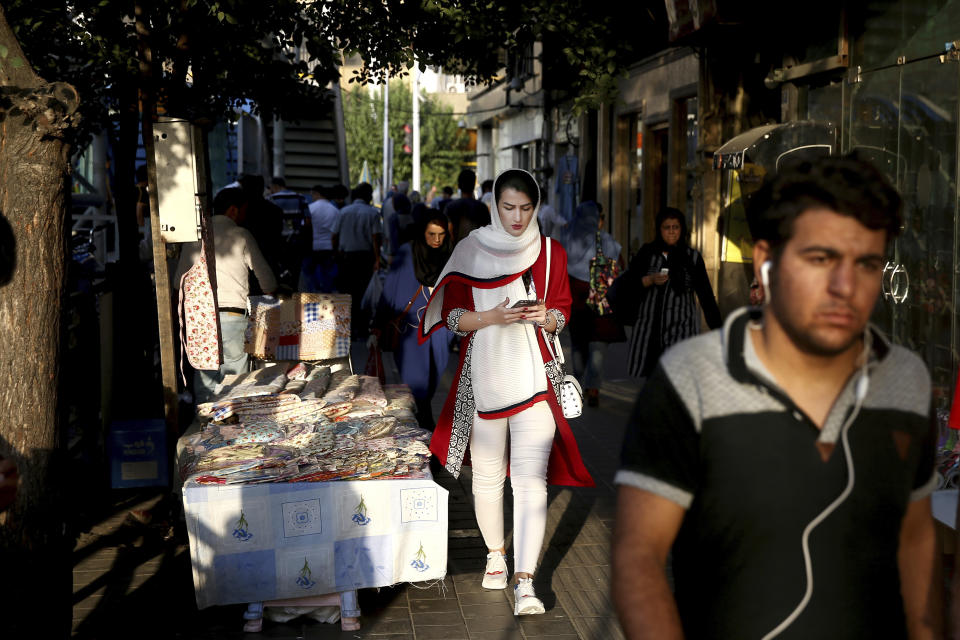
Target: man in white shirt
x,y
236,254
320,268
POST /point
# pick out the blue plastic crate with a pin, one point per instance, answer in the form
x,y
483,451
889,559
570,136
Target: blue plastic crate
x,y
138,454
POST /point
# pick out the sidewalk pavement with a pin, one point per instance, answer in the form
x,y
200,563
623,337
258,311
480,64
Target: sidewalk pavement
x,y
133,578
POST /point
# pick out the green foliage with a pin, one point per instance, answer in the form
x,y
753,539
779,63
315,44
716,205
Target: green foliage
x,y
443,144
212,55
209,57
588,45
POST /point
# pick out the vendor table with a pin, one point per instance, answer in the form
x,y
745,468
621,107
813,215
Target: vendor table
x,y
251,543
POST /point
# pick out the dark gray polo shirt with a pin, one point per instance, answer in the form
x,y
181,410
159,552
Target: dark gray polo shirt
x,y
769,497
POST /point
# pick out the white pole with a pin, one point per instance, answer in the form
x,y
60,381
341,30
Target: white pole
x,y
385,176
416,127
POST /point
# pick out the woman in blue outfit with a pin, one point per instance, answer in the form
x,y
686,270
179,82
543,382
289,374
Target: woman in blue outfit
x,y
408,285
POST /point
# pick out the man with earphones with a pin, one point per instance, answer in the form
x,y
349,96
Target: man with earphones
x,y
787,458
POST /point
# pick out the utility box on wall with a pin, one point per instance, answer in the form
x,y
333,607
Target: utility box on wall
x,y
176,144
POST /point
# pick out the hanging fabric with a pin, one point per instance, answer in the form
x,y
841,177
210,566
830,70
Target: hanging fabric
x,y
200,338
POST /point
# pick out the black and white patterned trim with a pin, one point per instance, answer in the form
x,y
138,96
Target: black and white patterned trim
x,y
453,322
561,319
463,412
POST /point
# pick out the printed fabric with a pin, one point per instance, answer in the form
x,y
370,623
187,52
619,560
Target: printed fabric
x,y
308,326
199,321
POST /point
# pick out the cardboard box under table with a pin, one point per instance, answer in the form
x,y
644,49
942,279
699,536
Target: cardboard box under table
x,y
261,542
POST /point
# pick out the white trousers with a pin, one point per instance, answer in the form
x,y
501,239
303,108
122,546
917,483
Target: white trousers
x,y
531,438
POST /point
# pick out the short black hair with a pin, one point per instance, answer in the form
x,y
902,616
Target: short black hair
x,y
466,181
141,173
848,185
232,197
339,192
519,180
277,180
363,192
252,185
448,191
322,190
486,186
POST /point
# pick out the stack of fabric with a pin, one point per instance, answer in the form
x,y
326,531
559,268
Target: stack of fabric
x,y
305,424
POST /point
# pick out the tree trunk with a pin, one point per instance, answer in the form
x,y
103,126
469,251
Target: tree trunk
x,y
33,170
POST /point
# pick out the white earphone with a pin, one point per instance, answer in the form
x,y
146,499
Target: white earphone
x,y
765,279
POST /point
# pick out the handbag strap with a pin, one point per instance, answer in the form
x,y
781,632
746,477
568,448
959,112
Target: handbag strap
x,y
546,280
409,304
548,339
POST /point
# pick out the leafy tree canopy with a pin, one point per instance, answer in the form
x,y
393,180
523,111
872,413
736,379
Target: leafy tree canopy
x,y
211,55
443,145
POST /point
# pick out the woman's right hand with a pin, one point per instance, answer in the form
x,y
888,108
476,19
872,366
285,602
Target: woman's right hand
x,y
501,314
655,278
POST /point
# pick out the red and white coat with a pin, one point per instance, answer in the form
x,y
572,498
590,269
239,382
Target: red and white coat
x,y
451,437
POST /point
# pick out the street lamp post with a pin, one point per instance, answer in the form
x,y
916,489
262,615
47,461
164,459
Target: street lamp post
x,y
416,128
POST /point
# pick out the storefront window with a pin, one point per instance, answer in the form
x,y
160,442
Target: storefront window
x,y
690,161
905,119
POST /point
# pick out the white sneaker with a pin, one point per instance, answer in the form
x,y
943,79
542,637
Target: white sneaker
x,y
495,575
525,601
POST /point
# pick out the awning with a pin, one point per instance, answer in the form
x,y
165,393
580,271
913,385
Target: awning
x,y
770,145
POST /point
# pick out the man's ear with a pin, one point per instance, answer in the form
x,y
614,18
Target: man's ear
x,y
761,253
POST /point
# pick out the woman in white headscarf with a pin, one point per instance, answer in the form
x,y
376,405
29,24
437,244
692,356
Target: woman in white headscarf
x,y
502,385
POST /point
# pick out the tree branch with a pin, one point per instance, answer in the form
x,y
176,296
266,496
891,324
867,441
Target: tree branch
x,y
15,70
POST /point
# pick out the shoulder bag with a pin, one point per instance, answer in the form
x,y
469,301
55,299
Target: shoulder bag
x,y
567,389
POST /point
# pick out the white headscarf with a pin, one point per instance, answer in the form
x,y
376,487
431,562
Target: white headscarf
x,y
506,364
489,255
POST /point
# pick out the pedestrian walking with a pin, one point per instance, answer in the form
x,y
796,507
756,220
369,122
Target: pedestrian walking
x,y
664,277
406,291
493,293
466,213
590,333
356,238
320,268
787,460
296,233
264,220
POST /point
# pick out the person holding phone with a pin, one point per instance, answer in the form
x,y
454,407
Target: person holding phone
x,y
495,293
666,274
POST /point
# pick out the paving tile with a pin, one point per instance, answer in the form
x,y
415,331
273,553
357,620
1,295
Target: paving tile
x,y
493,623
435,606
537,626
380,626
599,627
579,604
483,597
437,618
458,632
503,634
471,611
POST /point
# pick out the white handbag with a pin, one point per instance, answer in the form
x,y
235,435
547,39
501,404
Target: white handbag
x,y
568,391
